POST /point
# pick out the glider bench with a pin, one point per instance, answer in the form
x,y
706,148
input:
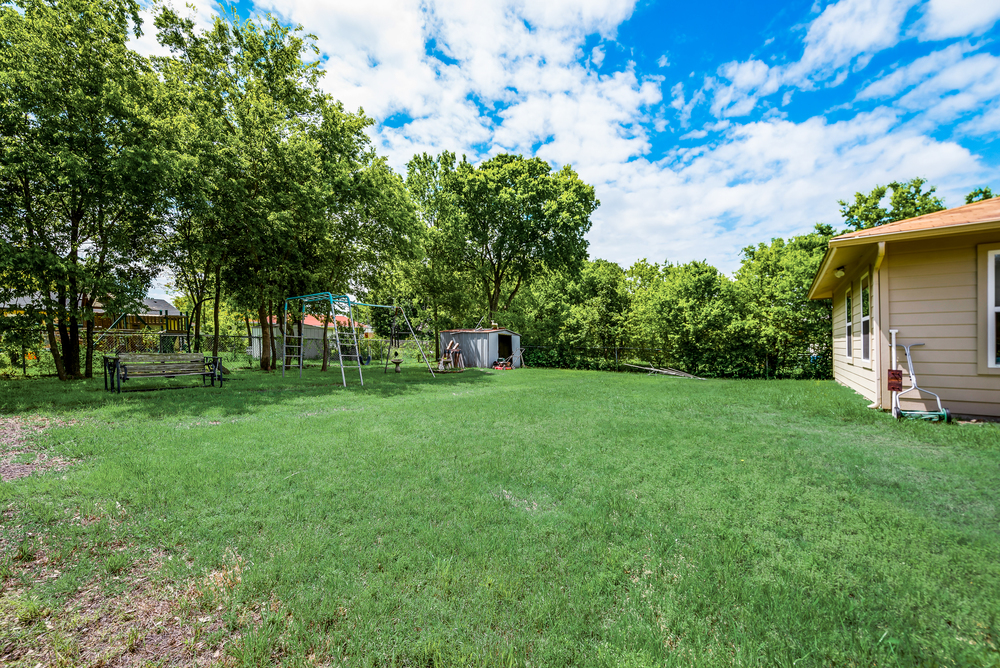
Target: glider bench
x,y
125,366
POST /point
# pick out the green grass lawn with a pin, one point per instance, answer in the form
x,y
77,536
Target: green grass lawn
x,y
534,517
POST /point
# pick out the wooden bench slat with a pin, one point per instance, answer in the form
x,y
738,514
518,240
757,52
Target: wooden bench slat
x,y
132,371
170,365
164,374
159,359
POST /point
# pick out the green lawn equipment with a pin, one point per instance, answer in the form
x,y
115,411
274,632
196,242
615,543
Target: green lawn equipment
x,y
940,415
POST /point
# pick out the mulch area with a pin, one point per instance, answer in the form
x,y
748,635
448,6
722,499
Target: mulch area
x,y
18,456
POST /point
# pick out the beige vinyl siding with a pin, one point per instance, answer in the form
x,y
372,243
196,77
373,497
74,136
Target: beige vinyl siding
x,y
851,373
933,300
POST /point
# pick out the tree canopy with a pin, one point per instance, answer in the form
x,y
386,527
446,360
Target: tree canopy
x,y
81,164
520,218
906,200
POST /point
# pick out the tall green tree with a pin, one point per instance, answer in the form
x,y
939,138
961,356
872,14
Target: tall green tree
x,y
778,324
81,164
521,219
435,276
906,200
296,201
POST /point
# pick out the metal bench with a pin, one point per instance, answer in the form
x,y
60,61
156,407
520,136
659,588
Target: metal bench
x,y
125,366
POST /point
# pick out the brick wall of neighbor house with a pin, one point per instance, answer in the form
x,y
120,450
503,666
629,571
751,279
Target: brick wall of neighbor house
x,y
855,374
933,299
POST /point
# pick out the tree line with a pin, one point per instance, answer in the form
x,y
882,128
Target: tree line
x,y
593,313
227,164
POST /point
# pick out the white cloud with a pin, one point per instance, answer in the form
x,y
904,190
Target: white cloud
x,y
516,75
203,12
845,31
902,78
844,37
663,61
597,56
748,81
957,18
767,179
968,86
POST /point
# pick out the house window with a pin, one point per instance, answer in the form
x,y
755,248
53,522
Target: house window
x,y
850,329
993,308
866,321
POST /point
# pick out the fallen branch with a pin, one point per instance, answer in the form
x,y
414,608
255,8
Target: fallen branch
x,y
665,372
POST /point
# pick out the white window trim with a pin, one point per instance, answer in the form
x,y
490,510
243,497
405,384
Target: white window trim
x,y
849,325
865,318
991,309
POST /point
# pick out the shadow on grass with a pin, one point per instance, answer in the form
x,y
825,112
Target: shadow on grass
x,y
244,391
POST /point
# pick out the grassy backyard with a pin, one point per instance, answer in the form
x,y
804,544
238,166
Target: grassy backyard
x,y
535,517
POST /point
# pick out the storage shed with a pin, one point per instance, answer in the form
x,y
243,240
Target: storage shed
x,y
934,279
482,347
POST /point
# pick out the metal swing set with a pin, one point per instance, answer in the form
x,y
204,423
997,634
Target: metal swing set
x,y
294,346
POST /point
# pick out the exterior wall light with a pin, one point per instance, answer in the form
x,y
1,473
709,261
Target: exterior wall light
x,y
839,273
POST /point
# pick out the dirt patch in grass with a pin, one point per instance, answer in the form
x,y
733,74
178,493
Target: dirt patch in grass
x,y
18,457
147,622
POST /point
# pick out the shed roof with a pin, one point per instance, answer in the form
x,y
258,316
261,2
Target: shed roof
x,y
478,331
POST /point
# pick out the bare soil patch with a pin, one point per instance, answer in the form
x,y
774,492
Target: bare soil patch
x,y
149,623
18,457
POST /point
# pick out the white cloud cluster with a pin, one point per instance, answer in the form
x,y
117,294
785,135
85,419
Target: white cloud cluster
x,y
764,179
958,18
844,38
514,75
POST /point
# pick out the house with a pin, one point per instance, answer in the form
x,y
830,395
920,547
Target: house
x,y
156,314
483,347
935,279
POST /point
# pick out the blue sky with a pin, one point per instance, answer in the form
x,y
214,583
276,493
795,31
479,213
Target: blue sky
x,y
704,127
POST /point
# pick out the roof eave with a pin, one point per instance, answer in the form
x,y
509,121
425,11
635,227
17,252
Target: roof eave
x,y
904,235
823,267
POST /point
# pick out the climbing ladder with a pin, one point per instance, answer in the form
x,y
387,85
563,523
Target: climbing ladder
x,y
356,355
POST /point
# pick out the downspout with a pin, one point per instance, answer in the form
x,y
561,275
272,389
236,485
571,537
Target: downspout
x,y
878,351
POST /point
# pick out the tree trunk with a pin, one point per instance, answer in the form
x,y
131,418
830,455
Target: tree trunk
x,y
437,335
53,346
64,338
270,331
265,339
215,309
326,344
89,370
197,327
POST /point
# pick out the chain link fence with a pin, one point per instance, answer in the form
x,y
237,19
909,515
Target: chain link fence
x,y
617,359
243,352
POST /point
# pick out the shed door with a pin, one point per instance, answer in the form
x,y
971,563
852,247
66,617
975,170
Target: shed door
x,y
503,346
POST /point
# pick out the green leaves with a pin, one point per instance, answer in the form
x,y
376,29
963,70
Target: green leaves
x,y
81,162
906,201
520,219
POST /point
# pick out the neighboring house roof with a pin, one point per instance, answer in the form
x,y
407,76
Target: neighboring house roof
x,y
478,331
313,321
848,250
153,306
